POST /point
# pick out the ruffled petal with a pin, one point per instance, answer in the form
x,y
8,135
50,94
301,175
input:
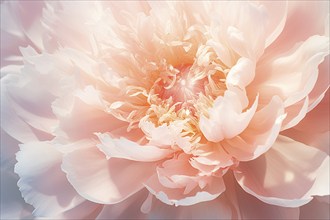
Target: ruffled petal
x,y
42,182
313,130
177,197
104,181
242,73
273,177
260,135
298,68
226,119
126,149
249,207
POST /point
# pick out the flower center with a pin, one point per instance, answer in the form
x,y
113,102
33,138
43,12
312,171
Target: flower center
x,y
182,86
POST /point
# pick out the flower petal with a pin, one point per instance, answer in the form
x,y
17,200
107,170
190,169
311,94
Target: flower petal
x,y
226,118
42,182
177,197
260,135
242,73
298,68
126,149
104,181
273,177
250,207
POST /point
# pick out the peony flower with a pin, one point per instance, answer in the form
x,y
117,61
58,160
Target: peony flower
x,y
211,110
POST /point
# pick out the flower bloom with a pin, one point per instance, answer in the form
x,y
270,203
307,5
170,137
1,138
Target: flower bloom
x,y
165,109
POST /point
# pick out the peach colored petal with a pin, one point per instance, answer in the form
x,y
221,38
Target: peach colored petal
x,y
287,163
242,73
165,135
104,181
130,208
295,113
126,149
321,85
260,135
226,118
313,130
249,207
177,197
51,195
303,73
79,120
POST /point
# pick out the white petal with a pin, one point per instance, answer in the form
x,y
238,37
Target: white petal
x,y
42,182
126,149
226,118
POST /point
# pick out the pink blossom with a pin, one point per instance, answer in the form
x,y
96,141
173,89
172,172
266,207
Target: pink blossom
x,y
216,110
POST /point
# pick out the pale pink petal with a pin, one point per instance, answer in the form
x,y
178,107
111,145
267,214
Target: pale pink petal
x,y
176,196
313,130
126,149
260,135
295,113
272,177
298,67
130,208
249,207
105,181
210,158
321,85
42,182
24,117
79,120
242,73
20,26
165,135
226,118
277,12
303,20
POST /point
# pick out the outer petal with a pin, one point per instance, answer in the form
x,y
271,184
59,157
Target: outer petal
x,y
273,177
130,208
242,73
126,149
104,181
20,26
43,184
313,130
249,207
298,68
226,118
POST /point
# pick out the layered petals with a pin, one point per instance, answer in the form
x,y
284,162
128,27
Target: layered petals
x,y
226,119
272,176
104,181
126,149
260,135
50,195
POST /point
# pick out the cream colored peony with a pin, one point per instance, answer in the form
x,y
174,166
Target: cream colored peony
x,y
165,109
